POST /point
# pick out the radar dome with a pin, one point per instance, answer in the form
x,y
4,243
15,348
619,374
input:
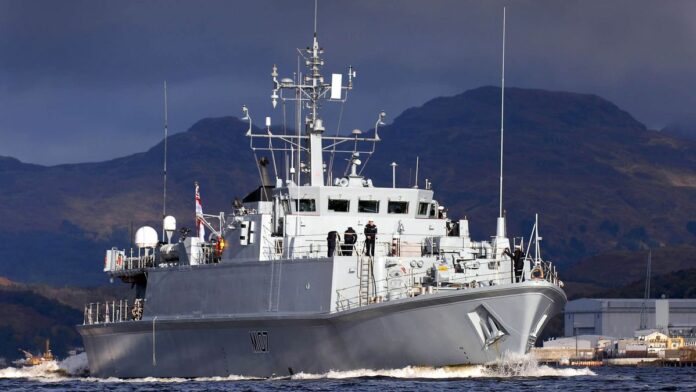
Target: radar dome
x,y
146,237
169,223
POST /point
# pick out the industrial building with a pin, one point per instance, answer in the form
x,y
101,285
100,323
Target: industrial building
x,y
621,317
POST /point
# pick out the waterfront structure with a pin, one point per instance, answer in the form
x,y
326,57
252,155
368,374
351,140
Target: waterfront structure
x,y
646,345
621,317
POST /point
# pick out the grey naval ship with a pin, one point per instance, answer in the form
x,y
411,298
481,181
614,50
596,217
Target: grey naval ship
x,y
281,285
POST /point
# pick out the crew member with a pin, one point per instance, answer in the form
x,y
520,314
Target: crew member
x,y
518,261
370,236
349,240
331,240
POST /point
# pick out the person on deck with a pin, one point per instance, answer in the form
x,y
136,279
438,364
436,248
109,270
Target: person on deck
x,y
370,236
349,240
518,261
331,239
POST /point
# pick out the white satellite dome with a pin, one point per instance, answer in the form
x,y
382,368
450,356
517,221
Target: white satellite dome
x,y
169,223
146,237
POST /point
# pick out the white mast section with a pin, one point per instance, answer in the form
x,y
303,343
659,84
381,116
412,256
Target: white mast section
x,y
308,91
500,227
314,125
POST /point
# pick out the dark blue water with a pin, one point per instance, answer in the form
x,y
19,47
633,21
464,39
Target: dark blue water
x,y
534,378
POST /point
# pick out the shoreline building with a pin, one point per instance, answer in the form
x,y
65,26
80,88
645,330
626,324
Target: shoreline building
x,y
621,317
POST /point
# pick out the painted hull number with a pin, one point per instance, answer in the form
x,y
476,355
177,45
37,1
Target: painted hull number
x,y
259,341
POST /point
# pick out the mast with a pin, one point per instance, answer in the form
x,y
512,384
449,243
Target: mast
x,y
164,171
500,227
308,90
314,125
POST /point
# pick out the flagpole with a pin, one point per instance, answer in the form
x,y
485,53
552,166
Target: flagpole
x,y
200,230
197,198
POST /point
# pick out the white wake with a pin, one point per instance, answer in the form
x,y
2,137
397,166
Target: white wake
x,y
508,367
75,368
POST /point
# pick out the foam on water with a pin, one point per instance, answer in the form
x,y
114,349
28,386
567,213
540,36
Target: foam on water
x,y
75,368
47,369
508,366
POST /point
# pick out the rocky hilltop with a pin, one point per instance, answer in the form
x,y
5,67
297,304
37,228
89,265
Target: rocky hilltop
x,y
600,180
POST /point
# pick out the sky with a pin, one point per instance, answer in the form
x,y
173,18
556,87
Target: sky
x,y
82,80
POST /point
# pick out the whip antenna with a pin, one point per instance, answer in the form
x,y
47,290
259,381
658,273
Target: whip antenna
x,y
502,120
500,226
164,171
315,17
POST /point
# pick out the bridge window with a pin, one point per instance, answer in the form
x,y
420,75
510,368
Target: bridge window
x,y
305,205
422,208
397,207
339,205
371,206
433,210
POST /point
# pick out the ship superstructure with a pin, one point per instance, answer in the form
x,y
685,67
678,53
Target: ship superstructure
x,y
280,285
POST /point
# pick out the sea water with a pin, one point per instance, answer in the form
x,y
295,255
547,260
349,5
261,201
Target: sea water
x,y
511,374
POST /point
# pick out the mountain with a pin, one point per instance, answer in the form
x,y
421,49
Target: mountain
x,y
27,319
677,284
30,314
599,179
684,128
57,221
618,268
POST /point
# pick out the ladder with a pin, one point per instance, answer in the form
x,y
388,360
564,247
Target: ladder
x,y
365,264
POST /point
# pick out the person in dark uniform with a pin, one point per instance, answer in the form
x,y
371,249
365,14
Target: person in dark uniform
x,y
370,236
349,240
331,240
518,261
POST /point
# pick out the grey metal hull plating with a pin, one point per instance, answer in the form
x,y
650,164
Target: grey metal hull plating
x,y
427,330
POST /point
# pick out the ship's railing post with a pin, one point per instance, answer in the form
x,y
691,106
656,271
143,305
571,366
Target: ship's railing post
x,y
97,318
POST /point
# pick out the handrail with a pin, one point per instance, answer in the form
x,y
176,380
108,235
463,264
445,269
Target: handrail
x,y
344,302
143,261
112,312
410,281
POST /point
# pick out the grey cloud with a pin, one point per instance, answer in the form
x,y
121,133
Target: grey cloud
x,y
84,77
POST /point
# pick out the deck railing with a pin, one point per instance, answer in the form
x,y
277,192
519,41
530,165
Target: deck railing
x,y
411,285
114,311
140,261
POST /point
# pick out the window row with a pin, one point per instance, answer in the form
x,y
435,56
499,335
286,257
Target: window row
x,y
364,206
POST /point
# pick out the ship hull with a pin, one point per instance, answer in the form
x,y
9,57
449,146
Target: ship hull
x,y
437,329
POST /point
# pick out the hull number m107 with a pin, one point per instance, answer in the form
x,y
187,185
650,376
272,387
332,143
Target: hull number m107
x,y
259,341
